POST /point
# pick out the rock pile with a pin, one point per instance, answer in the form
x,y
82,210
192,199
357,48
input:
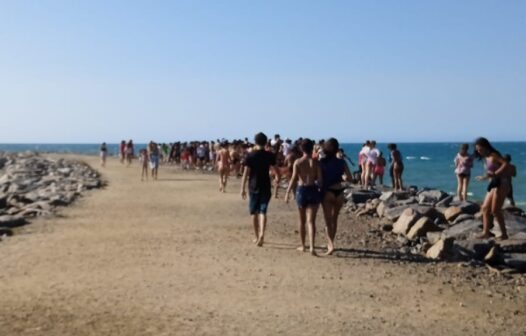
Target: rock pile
x,y
32,185
436,225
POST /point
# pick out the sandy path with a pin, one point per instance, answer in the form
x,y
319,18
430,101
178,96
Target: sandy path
x,y
175,257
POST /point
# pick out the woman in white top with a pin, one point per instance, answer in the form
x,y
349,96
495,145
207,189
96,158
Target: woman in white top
x,y
363,162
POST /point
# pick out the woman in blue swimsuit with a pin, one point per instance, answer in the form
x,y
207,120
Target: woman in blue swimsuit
x,y
333,169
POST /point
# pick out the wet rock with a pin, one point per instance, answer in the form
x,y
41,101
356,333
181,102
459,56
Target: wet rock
x,y
442,249
421,228
406,220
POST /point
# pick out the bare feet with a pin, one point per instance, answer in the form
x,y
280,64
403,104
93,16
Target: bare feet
x,y
259,243
503,237
313,253
301,249
486,235
255,240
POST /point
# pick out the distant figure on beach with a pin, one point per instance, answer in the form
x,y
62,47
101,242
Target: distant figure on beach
x,y
223,165
306,172
129,152
513,171
499,174
372,158
397,167
362,159
103,154
463,164
122,151
333,169
256,172
379,169
144,160
154,158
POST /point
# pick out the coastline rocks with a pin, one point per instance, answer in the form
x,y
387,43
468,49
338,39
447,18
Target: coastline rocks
x,y
431,197
31,185
406,220
442,249
421,228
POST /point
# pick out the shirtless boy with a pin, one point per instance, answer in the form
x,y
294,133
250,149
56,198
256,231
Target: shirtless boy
x,y
306,171
223,166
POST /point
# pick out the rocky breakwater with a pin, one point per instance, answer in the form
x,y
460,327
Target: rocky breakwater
x,y
32,185
435,225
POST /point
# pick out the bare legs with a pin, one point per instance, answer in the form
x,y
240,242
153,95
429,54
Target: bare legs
x,y
308,216
223,179
492,208
260,223
397,174
462,189
331,210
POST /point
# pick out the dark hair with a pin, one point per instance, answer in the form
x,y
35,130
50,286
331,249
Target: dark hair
x,y
484,143
464,146
507,158
307,146
391,146
331,147
260,139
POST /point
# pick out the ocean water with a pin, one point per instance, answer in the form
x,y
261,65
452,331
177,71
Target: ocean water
x,y
426,164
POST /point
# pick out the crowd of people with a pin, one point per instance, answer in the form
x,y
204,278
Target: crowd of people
x,y
317,174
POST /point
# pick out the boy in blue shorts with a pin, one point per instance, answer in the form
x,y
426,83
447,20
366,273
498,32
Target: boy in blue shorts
x,y
257,166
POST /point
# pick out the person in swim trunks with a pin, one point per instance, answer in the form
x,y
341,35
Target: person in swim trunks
x,y
256,172
463,164
333,169
306,172
499,175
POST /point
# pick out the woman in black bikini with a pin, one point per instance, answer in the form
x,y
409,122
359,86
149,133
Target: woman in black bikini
x,y
333,169
499,176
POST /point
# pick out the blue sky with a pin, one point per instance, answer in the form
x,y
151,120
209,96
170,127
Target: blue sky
x,y
92,71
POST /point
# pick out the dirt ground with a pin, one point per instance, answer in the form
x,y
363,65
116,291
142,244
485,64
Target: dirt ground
x,y
175,257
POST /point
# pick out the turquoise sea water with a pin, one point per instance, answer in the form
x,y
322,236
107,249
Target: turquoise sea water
x,y
426,164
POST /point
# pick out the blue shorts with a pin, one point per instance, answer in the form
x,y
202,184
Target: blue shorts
x,y
258,202
308,196
154,162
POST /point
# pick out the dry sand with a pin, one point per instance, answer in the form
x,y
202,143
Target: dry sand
x,y
174,257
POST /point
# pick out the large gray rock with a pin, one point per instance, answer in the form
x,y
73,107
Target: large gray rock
x,y
12,221
516,261
362,196
388,196
474,248
421,228
442,249
406,220
466,207
464,230
514,225
452,213
446,202
431,196
394,213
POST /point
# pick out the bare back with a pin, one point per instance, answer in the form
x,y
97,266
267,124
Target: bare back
x,y
307,171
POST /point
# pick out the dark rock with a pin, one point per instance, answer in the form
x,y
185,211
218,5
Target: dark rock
x,y
474,248
6,231
515,260
462,218
513,245
12,221
446,202
464,230
387,227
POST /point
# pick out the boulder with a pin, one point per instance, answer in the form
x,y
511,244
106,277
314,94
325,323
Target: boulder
x,y
452,213
381,208
513,245
442,249
6,231
431,196
466,207
433,237
462,218
406,202
421,228
474,248
406,220
514,225
12,221
464,230
515,260
394,213
445,203
388,196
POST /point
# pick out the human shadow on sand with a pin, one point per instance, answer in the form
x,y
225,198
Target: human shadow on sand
x,y
382,255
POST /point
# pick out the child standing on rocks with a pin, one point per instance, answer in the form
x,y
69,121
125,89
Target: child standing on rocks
x,y
463,164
